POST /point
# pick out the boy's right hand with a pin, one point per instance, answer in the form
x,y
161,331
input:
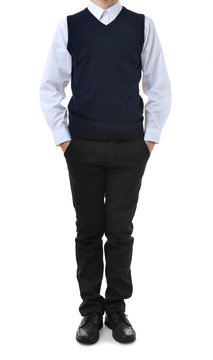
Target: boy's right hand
x,y
64,145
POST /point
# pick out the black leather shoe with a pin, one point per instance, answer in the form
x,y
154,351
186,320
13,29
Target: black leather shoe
x,y
122,330
88,330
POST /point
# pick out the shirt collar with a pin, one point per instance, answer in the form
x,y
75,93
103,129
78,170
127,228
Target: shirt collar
x,y
97,11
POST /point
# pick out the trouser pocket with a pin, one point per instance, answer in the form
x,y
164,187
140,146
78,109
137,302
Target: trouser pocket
x,y
146,146
68,147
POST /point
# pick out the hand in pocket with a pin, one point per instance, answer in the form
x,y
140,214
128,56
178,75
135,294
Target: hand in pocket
x,y
65,145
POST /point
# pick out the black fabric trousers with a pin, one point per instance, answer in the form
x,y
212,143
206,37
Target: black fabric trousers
x,y
105,179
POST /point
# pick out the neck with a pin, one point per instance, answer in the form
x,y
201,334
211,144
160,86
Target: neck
x,y
105,4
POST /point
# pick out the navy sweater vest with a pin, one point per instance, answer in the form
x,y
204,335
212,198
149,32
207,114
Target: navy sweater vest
x,y
106,71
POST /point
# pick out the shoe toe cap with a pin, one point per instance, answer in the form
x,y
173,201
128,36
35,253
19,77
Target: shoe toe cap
x,y
88,334
125,334
128,331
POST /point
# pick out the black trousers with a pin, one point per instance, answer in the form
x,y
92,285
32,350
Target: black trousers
x,y
105,179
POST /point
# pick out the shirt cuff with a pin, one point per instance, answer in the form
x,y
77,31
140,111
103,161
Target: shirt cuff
x,y
152,134
61,136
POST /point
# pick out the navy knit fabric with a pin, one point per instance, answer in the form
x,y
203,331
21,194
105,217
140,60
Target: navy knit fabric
x,y
106,71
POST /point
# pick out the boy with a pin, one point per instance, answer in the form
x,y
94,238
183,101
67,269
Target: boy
x,y
104,49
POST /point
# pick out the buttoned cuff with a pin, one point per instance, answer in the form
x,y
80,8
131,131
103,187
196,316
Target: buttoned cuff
x,y
61,135
152,134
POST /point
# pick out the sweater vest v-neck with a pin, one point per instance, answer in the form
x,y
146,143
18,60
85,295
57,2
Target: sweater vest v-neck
x,y
106,71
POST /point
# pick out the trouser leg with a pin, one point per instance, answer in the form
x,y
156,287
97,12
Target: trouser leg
x,y
87,179
123,182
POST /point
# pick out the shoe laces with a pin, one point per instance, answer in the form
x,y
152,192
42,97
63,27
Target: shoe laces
x,y
90,317
119,316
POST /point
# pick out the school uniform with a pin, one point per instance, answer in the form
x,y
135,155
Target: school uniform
x,y
105,54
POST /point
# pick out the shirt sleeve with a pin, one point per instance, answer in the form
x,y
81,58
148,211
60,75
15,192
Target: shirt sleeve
x,y
56,76
155,83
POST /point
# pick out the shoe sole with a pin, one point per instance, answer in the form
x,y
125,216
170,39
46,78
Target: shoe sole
x,y
86,342
114,337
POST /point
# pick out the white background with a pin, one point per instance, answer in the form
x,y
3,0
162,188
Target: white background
x,y
171,307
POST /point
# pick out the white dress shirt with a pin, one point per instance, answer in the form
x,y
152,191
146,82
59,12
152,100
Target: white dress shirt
x,y
57,74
